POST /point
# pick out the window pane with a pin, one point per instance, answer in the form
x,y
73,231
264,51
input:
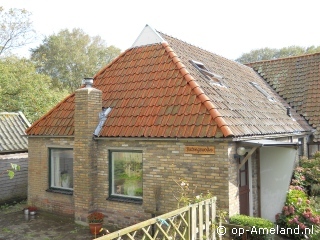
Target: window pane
x,y
127,174
313,149
61,168
243,179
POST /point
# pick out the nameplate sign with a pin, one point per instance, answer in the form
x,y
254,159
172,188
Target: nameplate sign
x,y
199,150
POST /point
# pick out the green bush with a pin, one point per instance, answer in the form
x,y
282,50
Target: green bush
x,y
311,169
315,189
298,213
259,226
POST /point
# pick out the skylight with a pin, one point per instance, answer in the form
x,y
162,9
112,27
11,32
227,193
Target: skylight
x,y
214,79
267,95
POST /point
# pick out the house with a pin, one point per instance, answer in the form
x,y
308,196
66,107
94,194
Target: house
x,y
13,149
167,110
297,80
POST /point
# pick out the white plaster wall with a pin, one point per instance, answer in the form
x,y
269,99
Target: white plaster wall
x,y
276,166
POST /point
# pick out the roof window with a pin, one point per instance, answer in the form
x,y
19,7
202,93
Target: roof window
x,y
259,88
214,79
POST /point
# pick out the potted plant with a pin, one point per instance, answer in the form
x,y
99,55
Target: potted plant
x,y
32,210
95,220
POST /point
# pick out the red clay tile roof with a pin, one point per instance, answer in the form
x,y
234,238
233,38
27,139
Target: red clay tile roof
x,y
154,91
296,79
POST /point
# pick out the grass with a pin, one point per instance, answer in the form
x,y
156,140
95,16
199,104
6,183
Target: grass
x,y
13,207
6,230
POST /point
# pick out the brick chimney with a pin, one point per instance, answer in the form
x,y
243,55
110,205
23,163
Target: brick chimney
x,y
88,104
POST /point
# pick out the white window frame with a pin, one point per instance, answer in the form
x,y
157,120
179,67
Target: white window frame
x,y
61,177
126,190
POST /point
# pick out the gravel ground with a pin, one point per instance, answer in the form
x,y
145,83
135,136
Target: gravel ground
x,y
14,224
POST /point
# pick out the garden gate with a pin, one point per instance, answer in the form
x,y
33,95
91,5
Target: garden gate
x,y
193,222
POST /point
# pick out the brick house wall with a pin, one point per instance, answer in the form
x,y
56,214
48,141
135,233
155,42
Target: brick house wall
x,y
163,162
255,163
234,204
38,176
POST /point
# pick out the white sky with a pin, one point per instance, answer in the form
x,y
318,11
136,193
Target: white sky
x,y
225,27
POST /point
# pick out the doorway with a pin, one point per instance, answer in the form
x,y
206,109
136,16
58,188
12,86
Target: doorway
x,y
244,189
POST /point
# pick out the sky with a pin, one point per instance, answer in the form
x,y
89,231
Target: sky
x,y
226,27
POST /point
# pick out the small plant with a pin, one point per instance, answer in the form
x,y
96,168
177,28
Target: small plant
x,y
32,209
14,168
95,217
6,230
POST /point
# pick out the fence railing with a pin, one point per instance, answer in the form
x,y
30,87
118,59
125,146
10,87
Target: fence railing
x,y
194,222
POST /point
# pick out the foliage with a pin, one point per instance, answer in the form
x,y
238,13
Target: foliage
x,y
302,209
68,57
273,53
32,208
186,195
95,217
307,175
15,29
12,170
298,212
255,224
23,89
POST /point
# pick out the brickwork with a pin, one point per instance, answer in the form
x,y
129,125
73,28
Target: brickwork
x,y
164,162
38,177
87,107
255,164
234,206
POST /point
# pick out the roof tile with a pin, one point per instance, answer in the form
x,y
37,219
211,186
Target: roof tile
x,y
154,93
297,80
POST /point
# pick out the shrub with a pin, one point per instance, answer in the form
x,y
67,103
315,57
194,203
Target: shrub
x,y
95,217
259,227
315,189
298,213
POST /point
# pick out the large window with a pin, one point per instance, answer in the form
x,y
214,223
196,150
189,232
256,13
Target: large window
x,y
61,168
126,174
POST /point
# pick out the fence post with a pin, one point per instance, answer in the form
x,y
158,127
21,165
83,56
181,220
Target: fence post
x,y
207,204
213,216
193,226
200,219
189,223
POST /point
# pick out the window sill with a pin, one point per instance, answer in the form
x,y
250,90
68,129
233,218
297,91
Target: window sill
x,y
125,200
61,191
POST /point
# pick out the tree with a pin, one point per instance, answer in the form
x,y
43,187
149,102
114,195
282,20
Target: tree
x,y
68,57
273,53
23,89
15,29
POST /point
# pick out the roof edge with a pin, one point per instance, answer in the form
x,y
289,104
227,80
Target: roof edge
x,y
48,113
282,58
199,92
28,124
105,67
